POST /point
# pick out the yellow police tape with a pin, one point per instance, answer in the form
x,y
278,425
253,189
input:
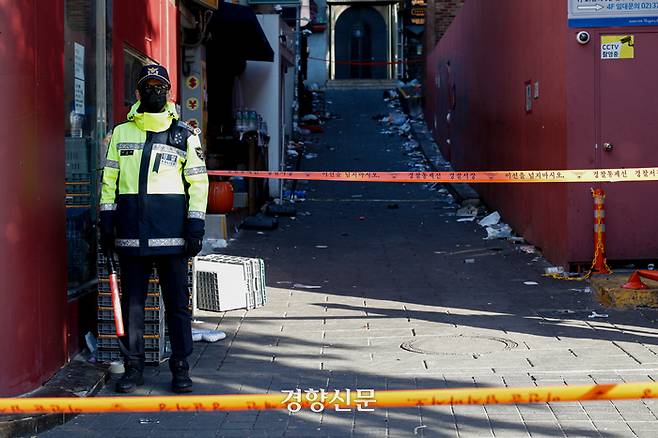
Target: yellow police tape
x,y
380,399
502,176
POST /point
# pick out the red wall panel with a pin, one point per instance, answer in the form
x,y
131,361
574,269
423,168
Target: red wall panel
x,y
32,215
484,60
492,49
150,27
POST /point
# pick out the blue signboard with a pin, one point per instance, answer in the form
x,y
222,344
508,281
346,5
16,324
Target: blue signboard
x,y
612,13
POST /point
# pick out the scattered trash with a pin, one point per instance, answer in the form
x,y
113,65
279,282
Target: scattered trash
x,y
468,211
498,231
91,342
469,261
597,315
530,283
310,156
305,286
554,270
148,421
490,220
466,219
321,246
528,249
207,335
117,367
280,210
310,117
516,239
259,222
417,428
293,153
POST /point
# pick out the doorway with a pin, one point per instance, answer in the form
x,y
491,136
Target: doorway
x,y
627,127
361,44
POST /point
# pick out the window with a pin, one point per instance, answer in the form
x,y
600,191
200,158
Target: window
x,y
133,63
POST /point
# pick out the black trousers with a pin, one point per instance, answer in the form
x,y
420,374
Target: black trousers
x,y
135,273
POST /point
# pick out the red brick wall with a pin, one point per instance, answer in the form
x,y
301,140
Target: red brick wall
x,y
440,14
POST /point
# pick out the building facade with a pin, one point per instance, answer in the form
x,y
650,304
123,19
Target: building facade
x,y
515,88
70,80
363,39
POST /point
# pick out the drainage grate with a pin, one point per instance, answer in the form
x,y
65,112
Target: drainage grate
x,y
458,345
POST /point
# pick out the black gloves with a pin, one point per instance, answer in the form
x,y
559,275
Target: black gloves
x,y
193,246
194,231
107,243
106,226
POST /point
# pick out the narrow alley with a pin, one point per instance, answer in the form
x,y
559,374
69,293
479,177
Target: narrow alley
x,y
378,286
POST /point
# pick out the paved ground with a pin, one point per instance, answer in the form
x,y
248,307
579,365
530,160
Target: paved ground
x,y
384,276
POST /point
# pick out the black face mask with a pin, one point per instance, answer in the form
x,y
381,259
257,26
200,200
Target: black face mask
x,y
153,99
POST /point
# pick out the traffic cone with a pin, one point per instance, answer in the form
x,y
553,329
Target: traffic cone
x,y
599,264
634,282
646,273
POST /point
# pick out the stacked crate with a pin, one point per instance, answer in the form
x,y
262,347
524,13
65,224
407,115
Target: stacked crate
x,y
223,282
155,339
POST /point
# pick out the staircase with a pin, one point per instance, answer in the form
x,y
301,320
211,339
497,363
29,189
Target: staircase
x,y
361,84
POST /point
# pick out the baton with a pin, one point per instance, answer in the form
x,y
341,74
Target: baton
x,y
116,299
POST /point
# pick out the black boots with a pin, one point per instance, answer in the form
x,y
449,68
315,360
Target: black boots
x,y
131,379
180,376
134,377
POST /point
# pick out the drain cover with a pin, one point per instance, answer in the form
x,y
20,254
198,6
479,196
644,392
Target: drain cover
x,y
457,345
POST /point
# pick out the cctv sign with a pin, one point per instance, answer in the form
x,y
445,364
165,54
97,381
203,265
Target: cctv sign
x,y
612,13
617,47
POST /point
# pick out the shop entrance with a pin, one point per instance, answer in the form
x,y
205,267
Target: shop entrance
x,y
627,127
360,38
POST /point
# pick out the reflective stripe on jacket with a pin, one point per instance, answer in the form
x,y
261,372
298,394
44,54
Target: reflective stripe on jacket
x,y
155,184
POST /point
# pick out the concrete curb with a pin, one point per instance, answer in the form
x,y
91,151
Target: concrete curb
x,y
75,379
461,191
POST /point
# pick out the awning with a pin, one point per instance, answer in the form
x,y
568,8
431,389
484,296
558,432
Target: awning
x,y
235,33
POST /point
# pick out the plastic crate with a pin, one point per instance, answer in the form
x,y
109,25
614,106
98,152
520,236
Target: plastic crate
x,y
107,355
151,342
152,300
111,355
150,328
224,283
151,314
104,285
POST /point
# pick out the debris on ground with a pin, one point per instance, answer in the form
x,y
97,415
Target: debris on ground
x,y
491,219
305,286
597,315
528,249
468,211
498,231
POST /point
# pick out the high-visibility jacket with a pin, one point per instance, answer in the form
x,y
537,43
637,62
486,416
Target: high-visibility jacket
x,y
155,184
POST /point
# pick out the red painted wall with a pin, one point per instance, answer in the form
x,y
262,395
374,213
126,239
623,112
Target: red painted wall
x,y
150,27
32,215
493,49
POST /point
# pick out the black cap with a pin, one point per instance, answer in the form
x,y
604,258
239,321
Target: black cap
x,y
153,71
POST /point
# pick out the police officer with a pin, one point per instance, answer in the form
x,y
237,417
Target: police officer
x,y
153,203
